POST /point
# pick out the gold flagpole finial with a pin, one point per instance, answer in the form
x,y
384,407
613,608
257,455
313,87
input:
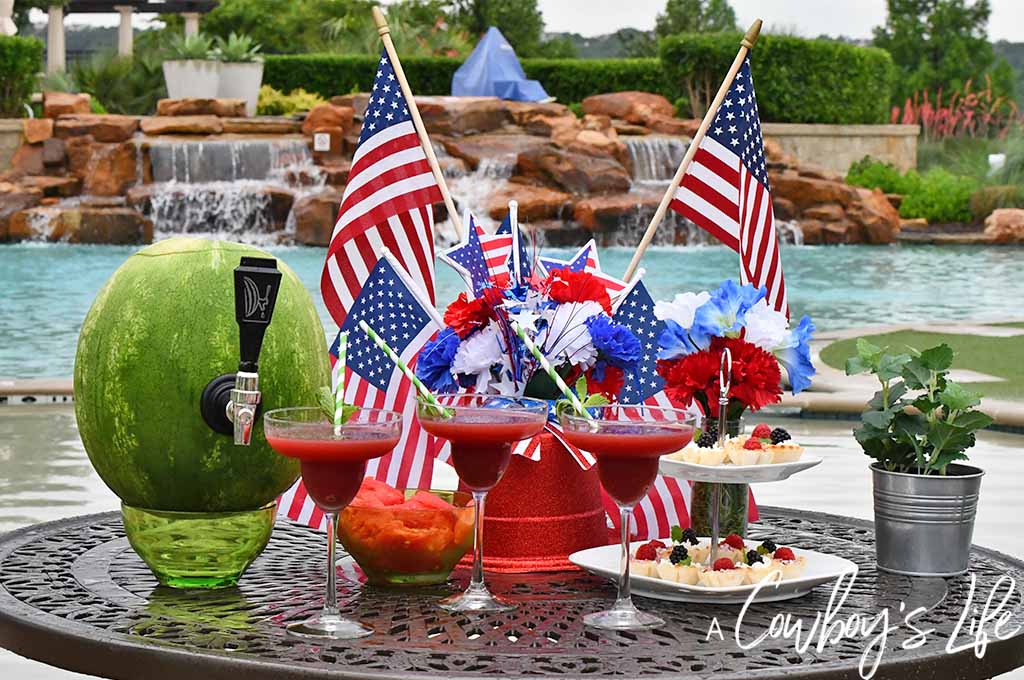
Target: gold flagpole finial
x,y
382,22
750,39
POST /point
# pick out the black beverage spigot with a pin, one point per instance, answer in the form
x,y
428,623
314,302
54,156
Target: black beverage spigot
x,y
230,402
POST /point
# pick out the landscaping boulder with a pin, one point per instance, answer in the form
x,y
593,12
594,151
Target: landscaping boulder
x,y
263,125
37,130
102,127
632,106
826,212
525,113
473,148
223,108
315,216
279,206
784,208
105,169
76,224
876,215
1005,225
53,186
14,199
572,171
182,125
606,213
678,127
53,152
805,192
324,116
27,160
56,104
535,203
462,115
357,102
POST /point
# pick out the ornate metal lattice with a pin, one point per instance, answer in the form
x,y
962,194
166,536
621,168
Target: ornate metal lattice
x,y
73,593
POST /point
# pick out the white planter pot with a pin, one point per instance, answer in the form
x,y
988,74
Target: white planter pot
x,y
191,78
241,80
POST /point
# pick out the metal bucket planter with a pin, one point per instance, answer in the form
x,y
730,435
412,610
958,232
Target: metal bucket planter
x,y
924,523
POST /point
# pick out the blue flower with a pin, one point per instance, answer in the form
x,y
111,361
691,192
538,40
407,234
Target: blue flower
x,y
725,312
614,342
675,341
795,355
434,366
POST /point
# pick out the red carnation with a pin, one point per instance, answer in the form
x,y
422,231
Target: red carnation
x,y
612,384
756,379
694,376
564,285
466,316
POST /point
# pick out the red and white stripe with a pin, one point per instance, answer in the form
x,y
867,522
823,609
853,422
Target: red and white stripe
x,y
497,249
719,195
387,203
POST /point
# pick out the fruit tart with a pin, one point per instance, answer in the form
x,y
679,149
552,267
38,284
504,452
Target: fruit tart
x,y
791,565
679,567
722,574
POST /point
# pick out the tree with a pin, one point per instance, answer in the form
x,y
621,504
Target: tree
x,y
695,16
940,44
281,26
519,21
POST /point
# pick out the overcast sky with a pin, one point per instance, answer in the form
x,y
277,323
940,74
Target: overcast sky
x,y
809,18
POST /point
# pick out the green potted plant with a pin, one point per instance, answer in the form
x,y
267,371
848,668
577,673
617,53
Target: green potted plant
x,y
916,428
190,71
241,70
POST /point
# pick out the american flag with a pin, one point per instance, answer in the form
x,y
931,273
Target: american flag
x,y
391,304
585,260
468,259
725,189
387,201
668,499
497,247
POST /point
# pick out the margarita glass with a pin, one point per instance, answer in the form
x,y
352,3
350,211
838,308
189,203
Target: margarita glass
x,y
333,462
627,442
481,430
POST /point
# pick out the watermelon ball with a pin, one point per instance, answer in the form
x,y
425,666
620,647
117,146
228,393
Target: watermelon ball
x,y
161,328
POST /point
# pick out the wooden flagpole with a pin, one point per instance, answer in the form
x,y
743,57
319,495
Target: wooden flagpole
x,y
746,45
421,131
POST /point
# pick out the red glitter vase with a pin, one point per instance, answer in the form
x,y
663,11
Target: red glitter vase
x,y
542,511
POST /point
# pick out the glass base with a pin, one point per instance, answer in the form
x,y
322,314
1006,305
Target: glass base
x,y
327,626
475,599
623,618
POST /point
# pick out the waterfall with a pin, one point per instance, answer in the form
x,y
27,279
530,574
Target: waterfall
x,y
240,189
654,157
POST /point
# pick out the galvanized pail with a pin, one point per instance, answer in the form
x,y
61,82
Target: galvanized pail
x,y
924,524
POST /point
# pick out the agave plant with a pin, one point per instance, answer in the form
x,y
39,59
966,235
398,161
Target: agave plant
x,y
196,46
237,48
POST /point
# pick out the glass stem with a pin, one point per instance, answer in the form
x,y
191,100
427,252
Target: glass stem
x,y
477,578
624,600
331,595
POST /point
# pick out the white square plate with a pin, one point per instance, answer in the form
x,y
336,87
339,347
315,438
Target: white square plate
x,y
821,568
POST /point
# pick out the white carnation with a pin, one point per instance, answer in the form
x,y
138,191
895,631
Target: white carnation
x,y
477,354
566,338
765,327
682,308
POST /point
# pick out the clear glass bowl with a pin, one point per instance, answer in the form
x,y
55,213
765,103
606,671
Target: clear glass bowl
x,y
399,546
198,549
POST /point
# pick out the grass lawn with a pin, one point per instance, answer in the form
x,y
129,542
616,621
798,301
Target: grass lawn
x,y
1001,357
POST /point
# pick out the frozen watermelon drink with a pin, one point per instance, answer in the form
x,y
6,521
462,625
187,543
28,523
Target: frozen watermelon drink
x,y
481,430
333,462
627,442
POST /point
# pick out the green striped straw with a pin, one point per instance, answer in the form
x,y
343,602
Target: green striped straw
x,y
339,393
577,405
427,395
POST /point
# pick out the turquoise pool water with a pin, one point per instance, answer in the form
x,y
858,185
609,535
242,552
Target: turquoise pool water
x,y
46,289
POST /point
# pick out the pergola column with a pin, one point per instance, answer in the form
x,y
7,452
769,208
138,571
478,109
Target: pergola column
x,y
55,53
191,23
124,30
7,26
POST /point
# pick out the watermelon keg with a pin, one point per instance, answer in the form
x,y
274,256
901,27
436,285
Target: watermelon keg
x,y
168,422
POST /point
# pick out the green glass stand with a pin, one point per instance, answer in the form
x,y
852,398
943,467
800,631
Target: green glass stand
x,y
732,501
198,549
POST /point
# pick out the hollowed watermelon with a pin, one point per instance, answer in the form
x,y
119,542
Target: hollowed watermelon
x,y
160,329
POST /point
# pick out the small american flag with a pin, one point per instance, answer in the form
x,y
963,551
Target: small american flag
x,y
387,202
393,306
468,258
585,260
667,501
725,189
498,247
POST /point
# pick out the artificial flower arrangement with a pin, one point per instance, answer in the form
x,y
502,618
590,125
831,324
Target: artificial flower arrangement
x,y
700,326
568,316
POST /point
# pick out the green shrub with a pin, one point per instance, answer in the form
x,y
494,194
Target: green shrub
x,y
797,80
987,199
275,103
20,62
126,85
940,197
874,174
568,80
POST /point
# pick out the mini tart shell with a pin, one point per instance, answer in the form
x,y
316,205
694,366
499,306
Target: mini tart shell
x,y
726,578
678,573
786,452
741,456
696,455
791,568
759,571
643,568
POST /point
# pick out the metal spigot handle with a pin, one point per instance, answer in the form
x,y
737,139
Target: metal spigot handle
x,y
257,281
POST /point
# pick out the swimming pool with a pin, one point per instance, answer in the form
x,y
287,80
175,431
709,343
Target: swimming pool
x,y
46,289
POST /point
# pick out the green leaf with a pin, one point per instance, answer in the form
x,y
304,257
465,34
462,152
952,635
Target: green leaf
x,y
956,397
868,352
856,366
581,386
916,374
677,534
595,400
325,399
878,419
890,366
973,420
938,358
896,391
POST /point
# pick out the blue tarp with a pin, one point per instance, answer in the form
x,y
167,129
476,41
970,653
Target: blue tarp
x,y
493,70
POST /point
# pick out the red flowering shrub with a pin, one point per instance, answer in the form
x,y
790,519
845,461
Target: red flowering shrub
x,y
465,316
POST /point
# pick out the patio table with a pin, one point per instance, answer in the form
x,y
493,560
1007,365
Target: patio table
x,y
73,594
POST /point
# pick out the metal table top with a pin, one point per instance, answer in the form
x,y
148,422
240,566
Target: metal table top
x,y
73,594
